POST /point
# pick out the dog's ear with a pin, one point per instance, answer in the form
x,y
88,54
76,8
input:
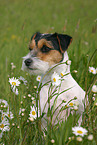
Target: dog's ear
x,y
63,41
37,35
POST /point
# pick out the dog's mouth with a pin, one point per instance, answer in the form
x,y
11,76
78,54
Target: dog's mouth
x,y
31,68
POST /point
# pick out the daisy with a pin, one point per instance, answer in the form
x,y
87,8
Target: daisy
x,y
23,80
38,78
94,89
77,130
14,82
92,70
9,114
90,137
33,113
56,79
4,126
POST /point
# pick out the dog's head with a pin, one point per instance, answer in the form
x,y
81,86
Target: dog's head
x,y
46,50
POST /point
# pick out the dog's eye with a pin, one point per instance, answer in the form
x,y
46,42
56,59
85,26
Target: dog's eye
x,y
45,49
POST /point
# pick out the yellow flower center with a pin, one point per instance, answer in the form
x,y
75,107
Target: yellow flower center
x,y
71,104
33,112
14,83
2,125
8,115
38,78
79,131
2,118
91,70
54,79
62,74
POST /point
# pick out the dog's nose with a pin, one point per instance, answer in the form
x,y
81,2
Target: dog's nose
x,y
28,62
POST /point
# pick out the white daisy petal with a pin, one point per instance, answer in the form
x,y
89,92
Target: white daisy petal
x,y
92,70
77,130
14,82
38,78
56,79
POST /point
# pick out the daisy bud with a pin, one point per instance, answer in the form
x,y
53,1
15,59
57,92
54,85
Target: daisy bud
x,y
13,124
68,62
94,89
31,119
90,137
35,87
29,95
93,98
79,139
22,114
75,71
24,97
52,141
95,104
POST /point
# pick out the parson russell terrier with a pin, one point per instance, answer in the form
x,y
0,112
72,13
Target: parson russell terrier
x,y
46,51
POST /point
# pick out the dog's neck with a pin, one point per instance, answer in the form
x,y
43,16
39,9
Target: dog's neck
x,y
58,69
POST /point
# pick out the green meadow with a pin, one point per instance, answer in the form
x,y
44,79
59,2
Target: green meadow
x,y
19,19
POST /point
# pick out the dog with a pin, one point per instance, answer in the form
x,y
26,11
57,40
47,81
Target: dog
x,y
46,52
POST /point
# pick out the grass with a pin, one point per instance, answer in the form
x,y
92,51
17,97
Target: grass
x,y
19,20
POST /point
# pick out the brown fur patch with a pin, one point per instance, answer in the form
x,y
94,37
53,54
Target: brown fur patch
x,y
51,57
32,44
44,42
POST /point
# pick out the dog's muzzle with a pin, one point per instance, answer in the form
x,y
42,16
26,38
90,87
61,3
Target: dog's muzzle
x,y
28,62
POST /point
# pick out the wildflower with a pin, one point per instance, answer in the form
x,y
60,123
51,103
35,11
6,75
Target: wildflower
x,y
18,127
79,131
8,114
93,98
22,114
29,95
75,71
90,137
23,80
95,104
38,78
3,103
24,97
94,89
13,124
33,113
35,87
92,70
56,79
52,141
68,62
4,125
31,119
14,82
79,139
13,66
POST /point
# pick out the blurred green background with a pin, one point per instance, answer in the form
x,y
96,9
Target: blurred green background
x,y
19,19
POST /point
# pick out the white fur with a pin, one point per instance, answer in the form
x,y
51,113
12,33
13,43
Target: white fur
x,y
69,82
